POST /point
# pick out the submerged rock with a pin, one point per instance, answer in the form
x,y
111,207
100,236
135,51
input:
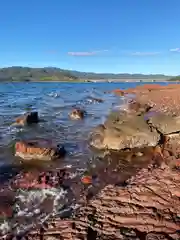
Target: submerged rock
x,y
34,150
28,118
77,114
124,131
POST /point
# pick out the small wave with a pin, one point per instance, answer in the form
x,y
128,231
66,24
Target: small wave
x,y
29,207
68,166
123,107
53,105
53,94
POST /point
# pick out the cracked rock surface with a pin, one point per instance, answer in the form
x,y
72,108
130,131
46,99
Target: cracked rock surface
x,y
124,131
148,206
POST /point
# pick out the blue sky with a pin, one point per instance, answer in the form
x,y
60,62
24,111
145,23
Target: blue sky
x,y
134,36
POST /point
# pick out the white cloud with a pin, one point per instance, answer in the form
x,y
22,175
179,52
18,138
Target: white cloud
x,y
145,53
175,50
83,54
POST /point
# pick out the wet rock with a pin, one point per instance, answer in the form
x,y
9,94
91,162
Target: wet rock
x,y
164,123
7,199
26,119
147,207
154,236
141,206
124,132
86,179
77,114
138,108
36,150
117,117
118,92
97,137
39,179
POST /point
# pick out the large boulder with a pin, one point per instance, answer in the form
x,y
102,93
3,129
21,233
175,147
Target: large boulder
x,y
165,124
124,131
38,150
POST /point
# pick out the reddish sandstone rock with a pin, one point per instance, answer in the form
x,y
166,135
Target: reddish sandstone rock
x,y
118,92
36,179
77,114
27,118
86,180
150,86
142,205
34,150
164,99
147,208
154,87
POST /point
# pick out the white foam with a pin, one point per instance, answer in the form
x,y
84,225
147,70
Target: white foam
x,y
68,166
37,211
53,94
5,228
72,175
21,213
123,107
31,200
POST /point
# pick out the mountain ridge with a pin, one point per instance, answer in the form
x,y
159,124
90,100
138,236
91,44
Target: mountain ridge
x,y
18,73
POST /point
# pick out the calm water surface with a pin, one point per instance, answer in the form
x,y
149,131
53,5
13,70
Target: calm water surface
x,y
54,101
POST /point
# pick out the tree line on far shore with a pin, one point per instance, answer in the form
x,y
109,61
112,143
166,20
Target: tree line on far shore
x,y
57,74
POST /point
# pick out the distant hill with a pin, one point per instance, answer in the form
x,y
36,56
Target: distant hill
x,y
17,73
174,79
91,75
35,74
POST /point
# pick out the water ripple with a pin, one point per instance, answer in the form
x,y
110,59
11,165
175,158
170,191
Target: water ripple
x,y
54,102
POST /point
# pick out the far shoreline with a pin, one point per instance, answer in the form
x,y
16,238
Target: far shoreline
x,y
95,81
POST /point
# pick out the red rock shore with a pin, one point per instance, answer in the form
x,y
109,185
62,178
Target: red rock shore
x,y
163,98
148,207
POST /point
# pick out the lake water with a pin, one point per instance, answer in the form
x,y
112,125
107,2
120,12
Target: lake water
x,y
54,101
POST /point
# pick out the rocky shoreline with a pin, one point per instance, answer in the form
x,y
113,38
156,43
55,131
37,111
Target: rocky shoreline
x,y
145,206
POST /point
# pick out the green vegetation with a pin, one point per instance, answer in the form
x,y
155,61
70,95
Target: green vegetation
x,y
175,79
57,74
35,74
